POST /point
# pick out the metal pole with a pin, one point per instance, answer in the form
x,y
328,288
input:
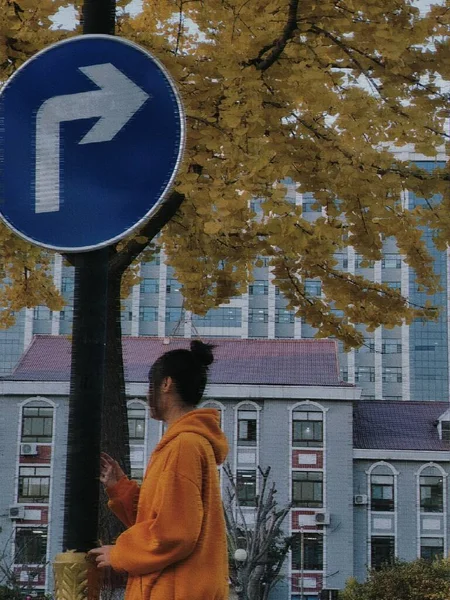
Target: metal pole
x,y
88,363
99,16
302,563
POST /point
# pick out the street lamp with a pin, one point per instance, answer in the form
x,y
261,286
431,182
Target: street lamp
x,y
240,556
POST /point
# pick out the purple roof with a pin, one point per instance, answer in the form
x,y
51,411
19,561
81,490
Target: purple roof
x,y
237,361
398,425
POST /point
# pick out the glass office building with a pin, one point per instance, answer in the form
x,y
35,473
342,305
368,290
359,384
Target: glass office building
x,y
404,363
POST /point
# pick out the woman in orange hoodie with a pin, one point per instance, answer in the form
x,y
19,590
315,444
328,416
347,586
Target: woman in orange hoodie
x,y
175,547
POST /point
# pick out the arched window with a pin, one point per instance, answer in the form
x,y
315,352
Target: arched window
x,y
431,490
382,488
246,452
137,418
307,426
247,424
444,426
37,422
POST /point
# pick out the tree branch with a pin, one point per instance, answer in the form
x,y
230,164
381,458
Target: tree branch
x,y
123,258
277,46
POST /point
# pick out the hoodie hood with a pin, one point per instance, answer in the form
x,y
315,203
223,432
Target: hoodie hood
x,y
203,421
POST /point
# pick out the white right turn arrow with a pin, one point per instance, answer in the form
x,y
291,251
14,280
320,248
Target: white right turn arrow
x,y
117,100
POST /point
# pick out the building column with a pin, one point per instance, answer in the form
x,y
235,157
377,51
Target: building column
x,y
188,324
28,328
244,316
351,356
351,365
378,357
162,295
135,305
271,307
406,362
57,279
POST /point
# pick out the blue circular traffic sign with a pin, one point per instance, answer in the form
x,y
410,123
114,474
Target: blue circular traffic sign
x,y
92,135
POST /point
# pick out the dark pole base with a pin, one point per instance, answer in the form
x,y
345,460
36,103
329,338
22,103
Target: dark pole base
x,y
86,398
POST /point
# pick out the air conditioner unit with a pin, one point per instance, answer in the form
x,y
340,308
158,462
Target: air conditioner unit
x,y
361,499
28,449
17,512
322,518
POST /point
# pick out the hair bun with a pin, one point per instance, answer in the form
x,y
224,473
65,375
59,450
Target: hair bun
x,y
202,352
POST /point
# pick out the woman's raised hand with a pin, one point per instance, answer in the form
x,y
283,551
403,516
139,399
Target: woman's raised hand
x,y
110,470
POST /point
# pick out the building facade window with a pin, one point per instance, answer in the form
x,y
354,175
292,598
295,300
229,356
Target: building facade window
x,y
342,261
310,205
258,315
37,423
246,487
431,493
41,313
382,493
126,316
392,374
363,373
307,428
263,261
307,489
173,315
67,284
432,548
394,285
149,286
259,287
247,427
382,551
66,314
363,263
219,317
391,261
173,286
392,346
313,287
312,552
445,425
34,484
283,315
136,423
344,373
30,546
368,346
148,314
393,398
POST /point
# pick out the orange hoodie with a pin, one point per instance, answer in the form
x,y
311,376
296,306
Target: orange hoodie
x,y
175,547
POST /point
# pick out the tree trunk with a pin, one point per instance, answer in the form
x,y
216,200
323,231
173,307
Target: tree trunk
x,y
254,583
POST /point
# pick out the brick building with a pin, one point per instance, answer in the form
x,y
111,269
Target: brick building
x,y
368,479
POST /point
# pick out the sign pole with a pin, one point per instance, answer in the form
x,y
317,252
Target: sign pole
x,y
93,133
88,363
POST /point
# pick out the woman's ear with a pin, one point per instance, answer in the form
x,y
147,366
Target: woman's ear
x,y
167,385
